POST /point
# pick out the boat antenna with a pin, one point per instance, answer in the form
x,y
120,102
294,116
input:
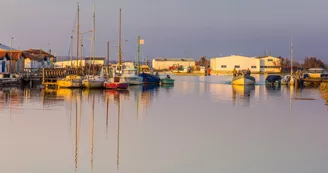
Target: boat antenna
x,y
77,34
138,56
93,37
291,55
120,39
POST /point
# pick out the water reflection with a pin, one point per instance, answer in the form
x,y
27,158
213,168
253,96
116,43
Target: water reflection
x,y
241,94
103,134
273,90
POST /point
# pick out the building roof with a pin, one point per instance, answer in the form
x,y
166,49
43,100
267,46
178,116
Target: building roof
x,y
235,56
38,52
260,57
67,58
4,47
96,58
174,59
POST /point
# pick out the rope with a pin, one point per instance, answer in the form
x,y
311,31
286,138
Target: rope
x,y
74,25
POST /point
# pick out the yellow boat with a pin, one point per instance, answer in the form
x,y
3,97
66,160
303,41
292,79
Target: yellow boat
x,y
315,73
70,81
243,80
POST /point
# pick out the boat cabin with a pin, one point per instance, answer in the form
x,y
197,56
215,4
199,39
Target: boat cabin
x,y
316,73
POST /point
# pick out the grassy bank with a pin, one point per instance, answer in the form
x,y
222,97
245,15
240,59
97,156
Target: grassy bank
x,y
324,91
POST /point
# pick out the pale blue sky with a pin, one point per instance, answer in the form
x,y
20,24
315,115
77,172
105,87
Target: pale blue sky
x,y
174,28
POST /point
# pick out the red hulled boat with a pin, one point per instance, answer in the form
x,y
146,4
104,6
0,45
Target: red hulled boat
x,y
116,83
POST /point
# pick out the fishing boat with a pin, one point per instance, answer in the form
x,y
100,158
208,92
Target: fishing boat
x,y
149,78
116,83
243,80
167,80
130,76
70,81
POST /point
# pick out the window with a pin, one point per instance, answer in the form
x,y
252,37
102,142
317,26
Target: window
x,y
262,66
223,66
237,66
270,59
253,66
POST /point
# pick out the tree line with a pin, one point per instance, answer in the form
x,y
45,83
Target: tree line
x,y
309,62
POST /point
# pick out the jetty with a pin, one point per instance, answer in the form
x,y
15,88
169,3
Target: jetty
x,y
47,76
314,81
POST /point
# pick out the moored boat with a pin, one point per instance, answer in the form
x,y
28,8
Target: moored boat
x,y
130,76
70,81
93,82
315,73
288,80
116,83
167,80
149,78
273,80
243,80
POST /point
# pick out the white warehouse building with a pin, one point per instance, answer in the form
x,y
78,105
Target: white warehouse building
x,y
166,63
266,64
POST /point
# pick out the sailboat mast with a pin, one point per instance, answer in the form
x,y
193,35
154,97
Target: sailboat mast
x,y
81,50
138,56
107,53
71,50
291,55
77,34
120,39
93,37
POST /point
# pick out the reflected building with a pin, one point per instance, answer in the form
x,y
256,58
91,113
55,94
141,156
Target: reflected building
x,y
11,97
201,86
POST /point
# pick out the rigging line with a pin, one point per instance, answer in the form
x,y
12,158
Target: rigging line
x,y
72,33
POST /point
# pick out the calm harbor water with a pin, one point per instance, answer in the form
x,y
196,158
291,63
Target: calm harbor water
x,y
201,124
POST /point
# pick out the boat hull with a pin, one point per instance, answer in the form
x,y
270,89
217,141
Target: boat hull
x,y
149,78
93,83
133,80
116,85
167,81
273,80
243,80
69,83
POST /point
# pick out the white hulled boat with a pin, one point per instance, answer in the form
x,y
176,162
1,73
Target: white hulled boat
x,y
130,75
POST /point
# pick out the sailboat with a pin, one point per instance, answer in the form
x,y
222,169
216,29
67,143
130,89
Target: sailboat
x,y
290,79
117,81
73,81
94,81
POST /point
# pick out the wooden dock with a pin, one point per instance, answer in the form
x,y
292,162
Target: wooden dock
x,y
47,76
